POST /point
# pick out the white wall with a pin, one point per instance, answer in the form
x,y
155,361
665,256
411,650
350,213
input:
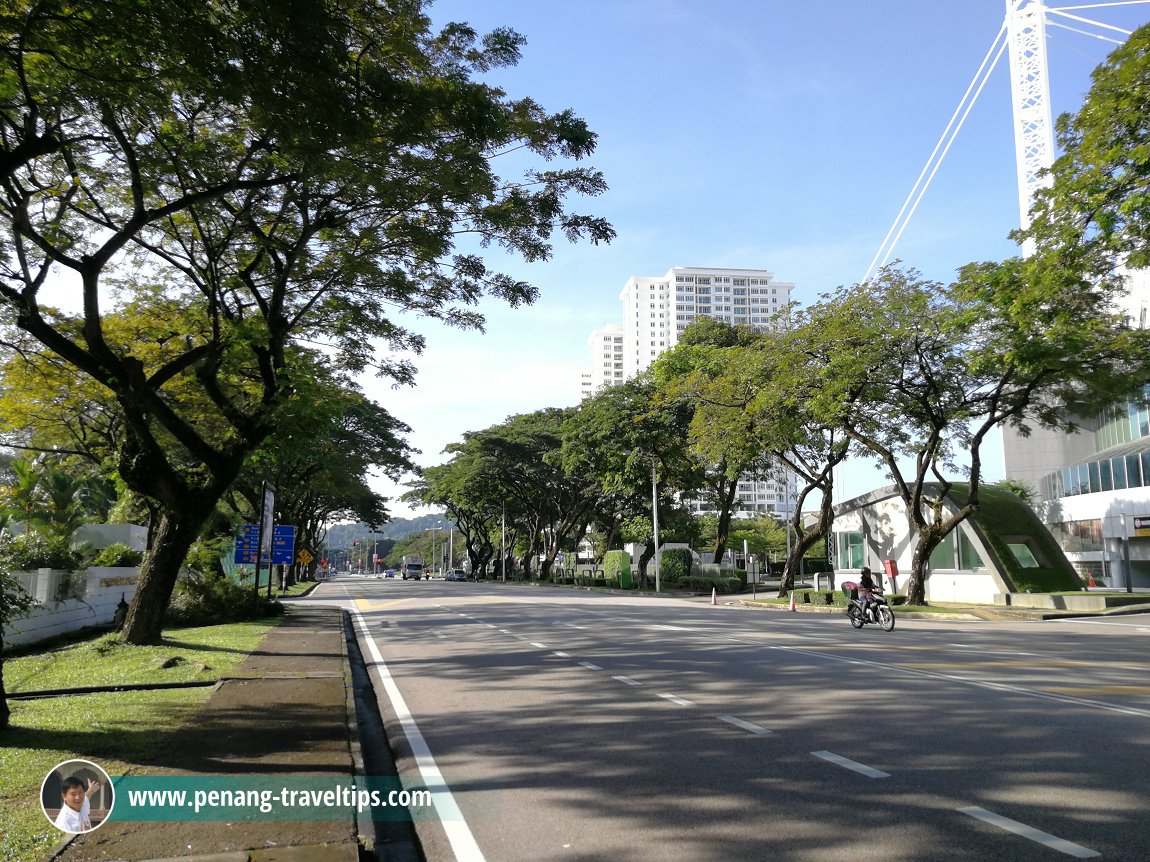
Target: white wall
x,y
103,588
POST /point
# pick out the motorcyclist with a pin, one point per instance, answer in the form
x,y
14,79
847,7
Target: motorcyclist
x,y
866,587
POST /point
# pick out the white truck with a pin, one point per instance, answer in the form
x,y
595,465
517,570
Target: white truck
x,y
412,567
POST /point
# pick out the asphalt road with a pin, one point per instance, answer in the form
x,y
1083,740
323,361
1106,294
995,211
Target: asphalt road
x,y
557,724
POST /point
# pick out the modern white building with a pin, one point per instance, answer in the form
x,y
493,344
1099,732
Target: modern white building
x,y
1093,487
607,359
656,310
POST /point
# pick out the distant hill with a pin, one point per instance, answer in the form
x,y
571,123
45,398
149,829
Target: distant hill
x,y
342,535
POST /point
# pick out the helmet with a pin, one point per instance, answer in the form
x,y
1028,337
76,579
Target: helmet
x,y
865,570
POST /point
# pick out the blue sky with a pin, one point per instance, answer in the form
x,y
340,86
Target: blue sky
x,y
740,133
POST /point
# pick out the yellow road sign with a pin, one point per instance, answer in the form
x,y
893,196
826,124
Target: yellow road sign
x,y
303,556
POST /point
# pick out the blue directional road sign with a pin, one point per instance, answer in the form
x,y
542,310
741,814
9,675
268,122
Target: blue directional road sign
x,y
283,544
247,544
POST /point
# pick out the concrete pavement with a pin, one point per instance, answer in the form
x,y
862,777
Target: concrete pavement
x,y
290,710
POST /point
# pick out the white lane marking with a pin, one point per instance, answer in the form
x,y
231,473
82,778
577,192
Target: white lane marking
x,y
561,654
589,666
854,766
978,683
627,680
745,725
1044,838
676,699
671,628
538,645
505,631
456,828
491,625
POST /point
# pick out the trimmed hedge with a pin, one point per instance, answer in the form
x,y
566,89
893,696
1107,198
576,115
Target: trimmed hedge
x,y
674,565
615,562
836,598
705,583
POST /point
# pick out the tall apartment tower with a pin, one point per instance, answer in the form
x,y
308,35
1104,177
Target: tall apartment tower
x,y
607,359
656,310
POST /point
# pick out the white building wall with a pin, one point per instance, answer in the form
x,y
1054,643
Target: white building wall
x,y
1121,545
100,594
607,359
887,536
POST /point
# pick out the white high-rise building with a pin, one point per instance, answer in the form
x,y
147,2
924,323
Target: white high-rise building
x,y
656,310
607,362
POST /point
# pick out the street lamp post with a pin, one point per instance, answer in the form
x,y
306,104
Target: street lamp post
x,y
655,517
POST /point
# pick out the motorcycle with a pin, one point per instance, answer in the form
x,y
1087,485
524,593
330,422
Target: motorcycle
x,y
877,611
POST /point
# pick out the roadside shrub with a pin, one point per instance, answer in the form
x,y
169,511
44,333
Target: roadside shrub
x,y
29,552
674,565
705,583
615,563
203,599
822,598
118,554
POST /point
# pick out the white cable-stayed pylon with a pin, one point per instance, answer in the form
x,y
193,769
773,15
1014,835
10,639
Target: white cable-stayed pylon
x,y
886,248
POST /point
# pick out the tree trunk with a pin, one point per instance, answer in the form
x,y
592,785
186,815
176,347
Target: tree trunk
x,y
723,527
645,558
802,544
5,713
175,534
916,587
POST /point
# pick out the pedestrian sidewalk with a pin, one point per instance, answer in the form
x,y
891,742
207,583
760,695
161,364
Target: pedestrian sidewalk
x,y
288,709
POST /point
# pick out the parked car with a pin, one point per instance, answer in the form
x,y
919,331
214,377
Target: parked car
x,y
456,575
390,573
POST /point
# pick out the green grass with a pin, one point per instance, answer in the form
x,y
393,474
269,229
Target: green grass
x,y
116,730
202,654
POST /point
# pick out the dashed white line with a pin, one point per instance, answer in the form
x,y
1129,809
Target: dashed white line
x,y
590,666
538,645
1044,838
560,654
674,698
627,680
745,725
854,766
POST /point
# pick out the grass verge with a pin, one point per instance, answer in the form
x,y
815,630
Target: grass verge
x,y
117,730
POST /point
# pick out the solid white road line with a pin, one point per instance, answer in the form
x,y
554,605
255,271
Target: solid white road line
x,y
589,666
1044,838
676,699
745,725
458,833
627,680
852,765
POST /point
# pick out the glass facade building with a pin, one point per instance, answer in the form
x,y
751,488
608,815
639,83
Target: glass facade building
x,y
1123,459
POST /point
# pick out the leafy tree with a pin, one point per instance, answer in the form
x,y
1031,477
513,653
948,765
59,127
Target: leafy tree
x,y
619,436
318,459
762,405
468,487
14,603
1096,210
720,428
251,175
955,362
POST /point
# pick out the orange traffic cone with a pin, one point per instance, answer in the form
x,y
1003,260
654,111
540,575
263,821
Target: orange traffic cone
x,y
714,596
792,600
1092,580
